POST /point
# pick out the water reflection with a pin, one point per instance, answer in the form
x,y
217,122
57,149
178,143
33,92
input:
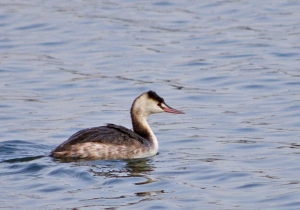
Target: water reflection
x,y
118,173
117,169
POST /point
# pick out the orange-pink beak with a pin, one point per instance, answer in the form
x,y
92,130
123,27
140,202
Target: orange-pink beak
x,y
171,110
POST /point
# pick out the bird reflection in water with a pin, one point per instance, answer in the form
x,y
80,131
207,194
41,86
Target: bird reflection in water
x,y
132,168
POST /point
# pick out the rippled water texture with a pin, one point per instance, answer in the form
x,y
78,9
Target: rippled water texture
x,y
231,66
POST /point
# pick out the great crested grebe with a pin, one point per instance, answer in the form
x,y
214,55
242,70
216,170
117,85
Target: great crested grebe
x,y
115,141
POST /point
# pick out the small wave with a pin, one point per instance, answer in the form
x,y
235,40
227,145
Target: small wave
x,y
30,168
21,151
25,159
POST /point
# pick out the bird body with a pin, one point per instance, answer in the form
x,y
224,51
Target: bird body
x,y
117,142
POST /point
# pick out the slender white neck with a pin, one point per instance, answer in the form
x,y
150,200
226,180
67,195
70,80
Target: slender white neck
x,y
139,120
142,122
141,108
141,127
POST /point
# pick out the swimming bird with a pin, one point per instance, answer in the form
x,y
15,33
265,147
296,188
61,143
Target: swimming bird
x,y
115,141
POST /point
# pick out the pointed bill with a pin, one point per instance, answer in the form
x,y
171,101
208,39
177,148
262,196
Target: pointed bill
x,y
171,110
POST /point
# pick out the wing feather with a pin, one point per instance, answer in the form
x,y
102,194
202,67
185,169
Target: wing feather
x,y
110,134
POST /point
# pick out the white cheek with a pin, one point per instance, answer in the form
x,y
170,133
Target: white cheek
x,y
158,109
152,107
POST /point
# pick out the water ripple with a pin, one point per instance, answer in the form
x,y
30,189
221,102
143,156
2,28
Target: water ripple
x,y
232,67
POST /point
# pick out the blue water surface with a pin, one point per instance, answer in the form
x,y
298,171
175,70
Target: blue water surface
x,y
231,66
